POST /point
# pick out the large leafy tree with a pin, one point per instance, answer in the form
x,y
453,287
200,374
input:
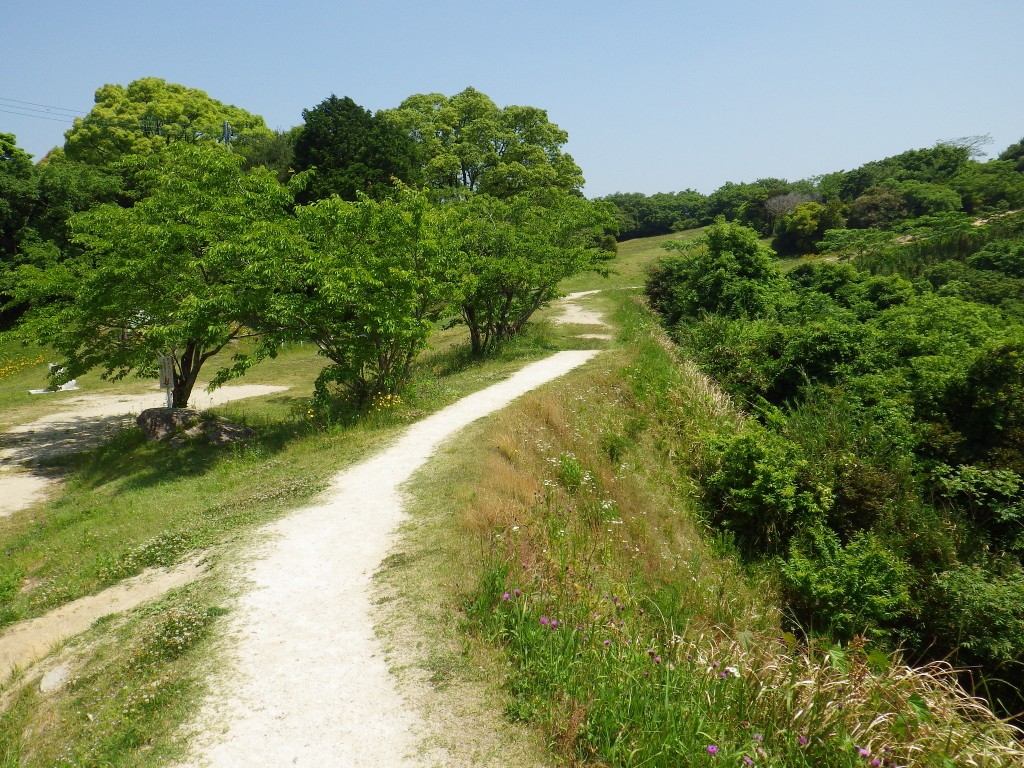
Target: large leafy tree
x,y
467,143
149,114
182,272
18,193
354,151
519,249
367,288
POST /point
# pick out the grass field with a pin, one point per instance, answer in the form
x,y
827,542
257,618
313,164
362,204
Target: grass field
x,y
572,506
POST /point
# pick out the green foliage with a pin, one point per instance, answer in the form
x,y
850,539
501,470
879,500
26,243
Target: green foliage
x,y
799,230
641,215
18,194
353,151
149,114
727,271
757,488
369,281
518,250
1014,154
981,614
854,589
178,273
877,207
466,142
995,185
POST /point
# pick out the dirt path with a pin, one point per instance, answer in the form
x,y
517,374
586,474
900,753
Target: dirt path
x,y
78,423
30,640
307,683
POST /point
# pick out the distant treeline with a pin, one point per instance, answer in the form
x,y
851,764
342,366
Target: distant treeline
x,y
881,194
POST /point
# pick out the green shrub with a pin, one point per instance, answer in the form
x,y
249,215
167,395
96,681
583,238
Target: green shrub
x,y
757,489
849,590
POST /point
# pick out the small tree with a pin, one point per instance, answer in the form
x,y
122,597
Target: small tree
x,y
518,250
728,271
179,273
371,279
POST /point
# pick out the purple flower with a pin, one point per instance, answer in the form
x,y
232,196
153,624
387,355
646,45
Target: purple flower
x,y
803,741
505,596
544,620
863,751
876,762
747,760
723,675
758,738
554,623
712,749
607,642
657,659
516,592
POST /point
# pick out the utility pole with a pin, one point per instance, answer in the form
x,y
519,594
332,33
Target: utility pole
x,y
227,134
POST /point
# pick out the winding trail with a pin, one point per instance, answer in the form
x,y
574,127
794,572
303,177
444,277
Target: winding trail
x,y
307,683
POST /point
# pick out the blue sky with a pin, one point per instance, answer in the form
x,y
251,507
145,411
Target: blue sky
x,y
655,96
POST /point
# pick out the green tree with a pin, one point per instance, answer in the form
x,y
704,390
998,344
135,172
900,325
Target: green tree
x,y
367,286
878,207
800,230
182,272
149,114
275,152
728,271
18,193
354,151
467,143
519,249
1014,154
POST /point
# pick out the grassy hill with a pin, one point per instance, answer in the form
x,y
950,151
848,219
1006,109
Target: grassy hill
x,y
556,566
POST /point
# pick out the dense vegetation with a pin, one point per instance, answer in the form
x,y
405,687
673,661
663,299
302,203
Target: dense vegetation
x,y
883,194
880,474
148,236
868,469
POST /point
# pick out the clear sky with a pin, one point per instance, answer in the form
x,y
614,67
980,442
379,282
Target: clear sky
x,y
656,96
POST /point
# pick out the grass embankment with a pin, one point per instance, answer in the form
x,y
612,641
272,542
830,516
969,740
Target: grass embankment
x,y
565,533
132,680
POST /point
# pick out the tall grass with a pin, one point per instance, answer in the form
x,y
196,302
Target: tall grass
x,y
635,639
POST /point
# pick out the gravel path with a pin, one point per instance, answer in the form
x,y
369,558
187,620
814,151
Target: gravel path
x,y
307,683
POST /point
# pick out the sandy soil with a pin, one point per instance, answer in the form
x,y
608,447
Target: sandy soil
x,y
31,640
574,313
307,683
80,422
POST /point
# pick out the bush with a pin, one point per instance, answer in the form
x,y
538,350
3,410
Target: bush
x,y
757,489
850,590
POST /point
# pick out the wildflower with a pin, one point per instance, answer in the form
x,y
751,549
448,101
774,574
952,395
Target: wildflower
x,y
657,659
747,760
758,738
506,596
803,741
607,642
876,762
863,751
516,592
712,749
544,620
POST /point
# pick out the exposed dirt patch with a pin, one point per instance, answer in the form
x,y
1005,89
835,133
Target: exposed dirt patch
x,y
30,640
574,313
80,422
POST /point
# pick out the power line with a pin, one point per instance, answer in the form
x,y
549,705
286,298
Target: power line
x,y
65,119
44,106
